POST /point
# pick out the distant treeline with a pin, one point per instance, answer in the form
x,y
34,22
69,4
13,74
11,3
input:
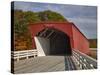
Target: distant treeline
x,y
23,40
93,43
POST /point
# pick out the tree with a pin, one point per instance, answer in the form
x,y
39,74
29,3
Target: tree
x,y
51,16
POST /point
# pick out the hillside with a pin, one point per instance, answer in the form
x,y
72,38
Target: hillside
x,y
93,43
23,40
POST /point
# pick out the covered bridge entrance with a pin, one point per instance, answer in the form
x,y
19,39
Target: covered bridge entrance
x,y
51,41
57,38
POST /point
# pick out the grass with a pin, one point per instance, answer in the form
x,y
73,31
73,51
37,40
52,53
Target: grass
x,y
93,54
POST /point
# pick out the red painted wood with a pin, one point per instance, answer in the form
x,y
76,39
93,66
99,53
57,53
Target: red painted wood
x,y
77,39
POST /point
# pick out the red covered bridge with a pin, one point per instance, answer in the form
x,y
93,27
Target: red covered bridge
x,y
63,37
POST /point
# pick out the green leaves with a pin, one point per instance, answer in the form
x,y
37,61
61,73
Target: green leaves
x,y
31,17
51,16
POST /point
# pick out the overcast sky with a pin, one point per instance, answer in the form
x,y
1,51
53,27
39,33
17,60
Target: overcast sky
x,y
84,17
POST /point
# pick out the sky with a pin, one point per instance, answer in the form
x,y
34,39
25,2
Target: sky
x,y
84,17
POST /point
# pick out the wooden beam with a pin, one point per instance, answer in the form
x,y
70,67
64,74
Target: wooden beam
x,y
43,32
50,34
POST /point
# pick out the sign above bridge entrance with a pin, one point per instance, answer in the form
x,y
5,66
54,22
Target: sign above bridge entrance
x,y
49,25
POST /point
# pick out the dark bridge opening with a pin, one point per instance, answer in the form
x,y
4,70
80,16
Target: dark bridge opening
x,y
59,42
